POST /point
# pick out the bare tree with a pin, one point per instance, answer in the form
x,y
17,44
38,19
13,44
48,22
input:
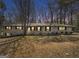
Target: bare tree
x,y
2,8
66,5
26,12
51,9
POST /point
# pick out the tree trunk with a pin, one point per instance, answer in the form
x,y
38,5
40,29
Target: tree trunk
x,y
60,15
71,16
52,21
27,17
65,10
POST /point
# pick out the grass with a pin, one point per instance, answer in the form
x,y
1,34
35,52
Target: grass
x,y
45,46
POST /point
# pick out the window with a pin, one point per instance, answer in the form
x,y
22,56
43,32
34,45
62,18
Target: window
x,y
39,29
20,28
9,28
29,29
32,28
47,28
61,28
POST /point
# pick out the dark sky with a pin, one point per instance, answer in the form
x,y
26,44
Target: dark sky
x,y
11,8
11,5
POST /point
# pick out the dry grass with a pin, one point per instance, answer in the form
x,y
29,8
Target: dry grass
x,y
45,46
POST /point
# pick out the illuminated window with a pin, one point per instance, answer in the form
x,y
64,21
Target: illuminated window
x,y
39,28
19,28
32,28
29,29
9,28
47,28
61,28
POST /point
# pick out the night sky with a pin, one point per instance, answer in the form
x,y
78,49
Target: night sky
x,y
11,8
10,5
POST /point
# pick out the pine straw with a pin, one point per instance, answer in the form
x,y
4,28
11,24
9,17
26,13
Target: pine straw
x,y
44,46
